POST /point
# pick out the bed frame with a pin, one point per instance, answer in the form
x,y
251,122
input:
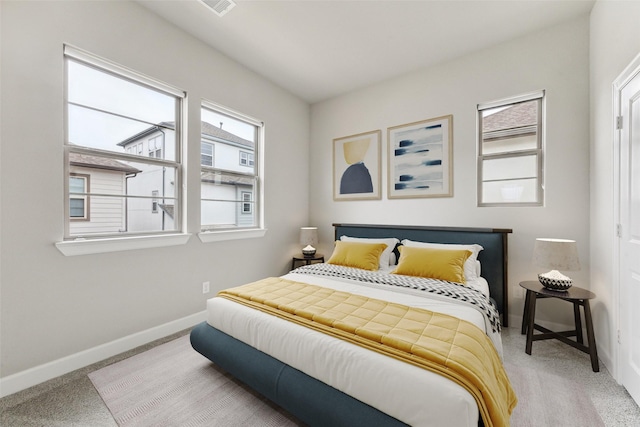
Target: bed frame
x,y
312,401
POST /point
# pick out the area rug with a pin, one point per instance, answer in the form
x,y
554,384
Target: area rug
x,y
173,385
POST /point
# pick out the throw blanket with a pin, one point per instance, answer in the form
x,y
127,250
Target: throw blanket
x,y
440,343
453,290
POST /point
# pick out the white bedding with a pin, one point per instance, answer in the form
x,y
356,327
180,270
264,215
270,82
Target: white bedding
x,y
410,394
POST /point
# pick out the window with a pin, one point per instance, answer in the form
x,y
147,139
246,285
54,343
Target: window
x,y
123,134
246,159
155,146
78,201
206,154
510,157
154,201
246,202
230,192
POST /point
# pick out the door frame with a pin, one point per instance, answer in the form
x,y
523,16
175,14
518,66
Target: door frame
x,y
630,72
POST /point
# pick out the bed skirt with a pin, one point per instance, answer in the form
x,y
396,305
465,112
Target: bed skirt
x,y
311,401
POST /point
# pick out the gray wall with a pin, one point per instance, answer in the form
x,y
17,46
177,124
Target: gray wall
x,y
55,306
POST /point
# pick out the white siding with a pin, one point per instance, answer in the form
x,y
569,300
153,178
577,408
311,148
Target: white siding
x,y
227,157
245,219
140,215
139,211
106,214
218,213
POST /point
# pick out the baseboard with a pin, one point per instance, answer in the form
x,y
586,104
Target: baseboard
x,y
607,361
39,374
515,321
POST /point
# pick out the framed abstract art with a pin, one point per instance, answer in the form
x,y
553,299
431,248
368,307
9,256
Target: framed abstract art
x,y
356,167
421,159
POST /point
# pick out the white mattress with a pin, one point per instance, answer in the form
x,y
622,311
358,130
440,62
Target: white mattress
x,y
412,395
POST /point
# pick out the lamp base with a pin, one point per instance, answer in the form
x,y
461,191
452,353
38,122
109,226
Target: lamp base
x,y
308,251
555,281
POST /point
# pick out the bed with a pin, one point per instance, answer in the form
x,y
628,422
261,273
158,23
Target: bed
x,y
326,381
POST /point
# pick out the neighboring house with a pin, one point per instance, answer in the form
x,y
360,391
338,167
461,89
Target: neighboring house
x,y
92,214
513,125
226,192
228,165
509,146
153,208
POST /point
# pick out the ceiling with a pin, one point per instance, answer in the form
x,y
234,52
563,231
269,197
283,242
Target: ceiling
x,y
321,49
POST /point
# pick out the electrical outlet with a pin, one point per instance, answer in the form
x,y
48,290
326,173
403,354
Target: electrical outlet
x,y
205,287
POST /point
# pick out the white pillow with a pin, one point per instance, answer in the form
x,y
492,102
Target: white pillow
x,y
385,257
470,267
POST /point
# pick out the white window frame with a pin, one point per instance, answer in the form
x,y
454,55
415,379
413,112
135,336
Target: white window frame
x,y
259,230
538,152
72,246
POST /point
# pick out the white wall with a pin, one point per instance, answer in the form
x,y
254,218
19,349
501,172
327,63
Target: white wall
x,y
615,42
55,306
556,60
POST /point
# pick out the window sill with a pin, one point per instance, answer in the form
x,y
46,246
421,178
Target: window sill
x,y
219,236
97,246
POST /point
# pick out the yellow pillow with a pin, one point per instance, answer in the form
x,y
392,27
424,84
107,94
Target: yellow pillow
x,y
357,254
434,263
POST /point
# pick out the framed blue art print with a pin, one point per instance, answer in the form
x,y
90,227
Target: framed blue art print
x,y
421,159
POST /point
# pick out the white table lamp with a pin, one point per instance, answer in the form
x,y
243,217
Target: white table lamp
x,y
308,240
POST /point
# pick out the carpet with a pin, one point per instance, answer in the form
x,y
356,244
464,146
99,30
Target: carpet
x,y
549,400
173,385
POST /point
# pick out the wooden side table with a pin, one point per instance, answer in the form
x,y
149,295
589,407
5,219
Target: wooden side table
x,y
575,295
306,259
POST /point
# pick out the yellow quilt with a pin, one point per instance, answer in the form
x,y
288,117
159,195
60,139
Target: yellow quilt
x,y
440,343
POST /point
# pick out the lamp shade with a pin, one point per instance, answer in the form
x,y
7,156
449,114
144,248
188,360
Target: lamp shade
x,y
309,236
556,254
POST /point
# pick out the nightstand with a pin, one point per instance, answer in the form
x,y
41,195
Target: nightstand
x,y
575,295
306,259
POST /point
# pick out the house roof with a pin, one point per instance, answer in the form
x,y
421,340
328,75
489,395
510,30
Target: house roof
x,y
148,131
219,133
208,129
96,162
223,178
522,115
169,209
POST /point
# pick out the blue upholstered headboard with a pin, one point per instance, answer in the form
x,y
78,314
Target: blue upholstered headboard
x,y
493,258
